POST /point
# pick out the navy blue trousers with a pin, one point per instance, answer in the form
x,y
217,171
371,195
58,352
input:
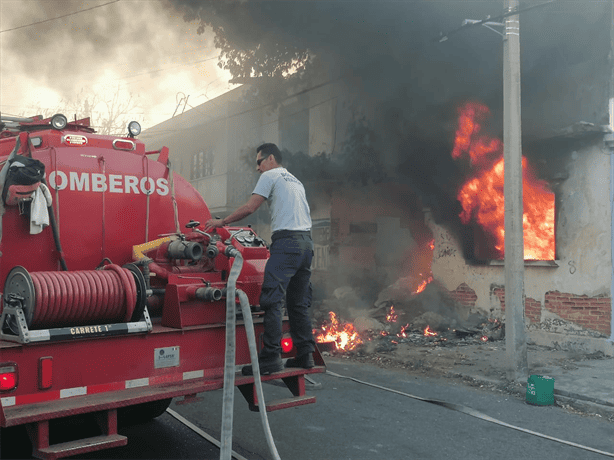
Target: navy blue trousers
x,y
287,280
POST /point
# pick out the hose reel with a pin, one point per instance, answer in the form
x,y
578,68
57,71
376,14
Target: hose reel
x,y
62,299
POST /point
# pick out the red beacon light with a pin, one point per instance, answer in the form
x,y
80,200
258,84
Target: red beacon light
x,y
286,344
8,377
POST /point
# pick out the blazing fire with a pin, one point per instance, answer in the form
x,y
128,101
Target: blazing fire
x,y
344,335
391,317
428,332
422,286
482,195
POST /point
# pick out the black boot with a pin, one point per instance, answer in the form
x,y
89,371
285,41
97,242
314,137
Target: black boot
x,y
267,366
304,361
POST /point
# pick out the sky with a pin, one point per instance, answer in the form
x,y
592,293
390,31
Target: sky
x,y
141,48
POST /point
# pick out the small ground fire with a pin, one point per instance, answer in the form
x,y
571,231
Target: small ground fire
x,y
343,335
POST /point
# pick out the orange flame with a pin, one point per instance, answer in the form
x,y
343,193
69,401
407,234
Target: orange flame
x,y
391,317
428,332
344,335
403,332
482,195
422,286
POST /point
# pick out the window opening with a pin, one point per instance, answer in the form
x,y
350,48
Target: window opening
x,y
482,199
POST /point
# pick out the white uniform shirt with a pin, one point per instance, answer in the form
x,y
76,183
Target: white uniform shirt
x,y
287,201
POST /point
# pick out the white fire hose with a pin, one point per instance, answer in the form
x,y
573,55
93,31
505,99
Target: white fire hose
x,y
229,364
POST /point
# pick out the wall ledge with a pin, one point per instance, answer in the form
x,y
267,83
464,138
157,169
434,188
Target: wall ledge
x,y
571,342
527,263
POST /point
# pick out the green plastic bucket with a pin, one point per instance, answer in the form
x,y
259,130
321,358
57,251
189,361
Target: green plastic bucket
x,y
540,390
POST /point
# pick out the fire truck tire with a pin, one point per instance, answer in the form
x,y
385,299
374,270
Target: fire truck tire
x,y
142,413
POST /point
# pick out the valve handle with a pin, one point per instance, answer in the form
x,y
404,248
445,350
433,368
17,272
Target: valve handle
x,y
192,224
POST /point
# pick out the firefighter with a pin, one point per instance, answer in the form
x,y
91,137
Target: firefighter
x,y
288,271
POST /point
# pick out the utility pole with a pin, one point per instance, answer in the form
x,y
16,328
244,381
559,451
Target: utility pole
x,y
515,339
609,141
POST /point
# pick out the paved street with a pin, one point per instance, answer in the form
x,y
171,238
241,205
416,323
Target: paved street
x,y
354,421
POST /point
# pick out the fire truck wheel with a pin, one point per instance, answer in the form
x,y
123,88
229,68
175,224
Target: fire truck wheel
x,y
142,413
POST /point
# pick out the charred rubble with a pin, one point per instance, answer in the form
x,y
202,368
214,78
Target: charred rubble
x,y
345,324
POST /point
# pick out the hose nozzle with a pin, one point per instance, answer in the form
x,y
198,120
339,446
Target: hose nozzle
x,y
209,294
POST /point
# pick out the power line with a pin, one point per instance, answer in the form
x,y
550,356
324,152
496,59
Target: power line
x,y
167,68
58,17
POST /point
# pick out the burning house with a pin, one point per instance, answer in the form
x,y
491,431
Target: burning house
x,y
399,142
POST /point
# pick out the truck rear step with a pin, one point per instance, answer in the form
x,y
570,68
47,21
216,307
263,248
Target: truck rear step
x,y
68,449
294,380
107,420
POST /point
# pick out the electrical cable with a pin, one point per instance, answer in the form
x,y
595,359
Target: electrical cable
x,y
443,37
474,413
58,17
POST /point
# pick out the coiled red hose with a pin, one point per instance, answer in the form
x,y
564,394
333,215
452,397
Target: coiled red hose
x,y
83,297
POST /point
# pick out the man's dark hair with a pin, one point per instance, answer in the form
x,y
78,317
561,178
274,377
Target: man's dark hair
x,y
270,149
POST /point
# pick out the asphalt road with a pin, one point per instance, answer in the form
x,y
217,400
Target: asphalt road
x,y
354,421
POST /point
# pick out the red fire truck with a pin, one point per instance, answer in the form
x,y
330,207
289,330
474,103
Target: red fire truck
x,y
115,301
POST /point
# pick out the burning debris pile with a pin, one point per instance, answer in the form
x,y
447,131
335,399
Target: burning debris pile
x,y
414,309
411,320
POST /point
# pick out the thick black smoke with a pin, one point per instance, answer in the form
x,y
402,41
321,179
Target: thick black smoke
x,y
387,50
389,54
412,84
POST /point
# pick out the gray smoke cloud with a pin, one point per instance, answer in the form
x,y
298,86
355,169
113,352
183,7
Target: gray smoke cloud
x,y
135,45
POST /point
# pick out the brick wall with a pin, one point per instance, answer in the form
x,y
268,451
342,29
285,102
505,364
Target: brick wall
x,y
590,312
593,313
500,293
532,309
464,295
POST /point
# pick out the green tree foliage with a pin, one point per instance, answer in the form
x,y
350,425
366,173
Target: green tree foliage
x,y
248,49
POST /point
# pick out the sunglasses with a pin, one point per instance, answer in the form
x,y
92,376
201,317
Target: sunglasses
x,y
260,160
